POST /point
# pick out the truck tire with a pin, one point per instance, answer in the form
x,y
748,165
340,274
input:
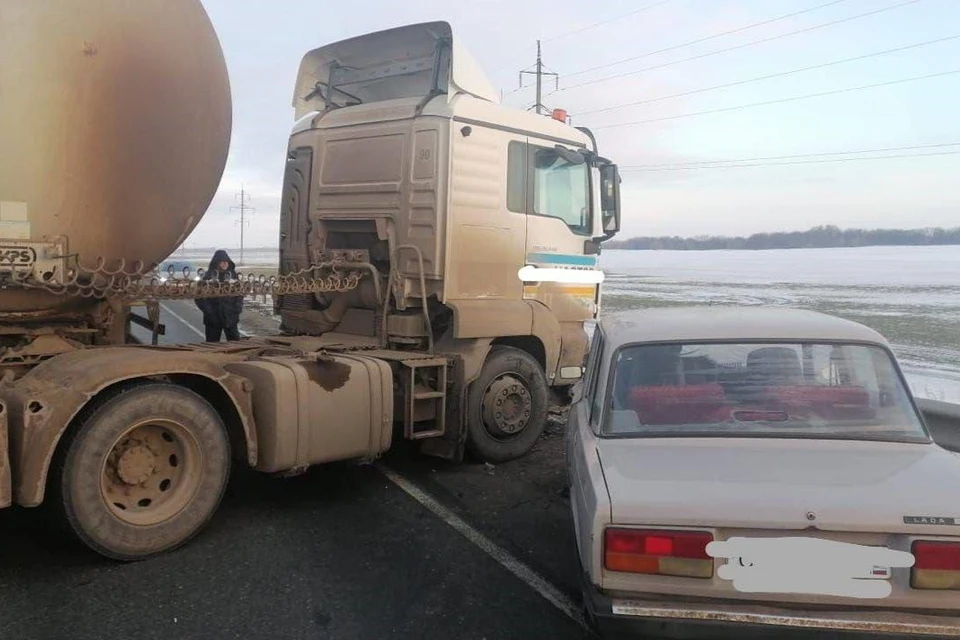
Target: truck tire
x,y
506,406
144,473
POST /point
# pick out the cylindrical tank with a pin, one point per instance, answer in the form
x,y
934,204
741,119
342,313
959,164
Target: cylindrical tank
x,y
115,121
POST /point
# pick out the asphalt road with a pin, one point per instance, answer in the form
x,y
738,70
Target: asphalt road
x,y
183,320
338,553
341,552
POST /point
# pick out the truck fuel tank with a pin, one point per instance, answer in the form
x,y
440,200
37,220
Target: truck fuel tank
x,y
319,409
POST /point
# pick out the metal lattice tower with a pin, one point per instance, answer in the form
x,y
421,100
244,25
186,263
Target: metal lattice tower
x,y
539,106
243,221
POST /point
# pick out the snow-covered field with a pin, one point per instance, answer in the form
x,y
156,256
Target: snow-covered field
x,y
909,294
251,257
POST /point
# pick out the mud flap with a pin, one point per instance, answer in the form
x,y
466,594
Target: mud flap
x,y
6,480
452,444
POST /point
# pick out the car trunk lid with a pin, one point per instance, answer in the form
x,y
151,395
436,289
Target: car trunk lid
x,y
830,485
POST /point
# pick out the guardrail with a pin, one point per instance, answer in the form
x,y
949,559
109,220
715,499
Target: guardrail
x,y
943,420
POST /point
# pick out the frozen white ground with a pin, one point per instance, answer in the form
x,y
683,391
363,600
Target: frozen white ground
x,y
909,294
251,257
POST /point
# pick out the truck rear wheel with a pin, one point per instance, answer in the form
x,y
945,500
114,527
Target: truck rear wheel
x,y
506,406
144,472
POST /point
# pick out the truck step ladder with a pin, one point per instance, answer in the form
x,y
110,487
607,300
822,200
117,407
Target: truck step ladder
x,y
425,393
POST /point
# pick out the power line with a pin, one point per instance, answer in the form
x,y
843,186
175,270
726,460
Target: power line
x,y
504,94
592,26
709,163
740,46
710,37
783,164
781,100
770,76
598,24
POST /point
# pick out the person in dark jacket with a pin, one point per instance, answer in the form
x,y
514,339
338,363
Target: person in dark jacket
x,y
221,315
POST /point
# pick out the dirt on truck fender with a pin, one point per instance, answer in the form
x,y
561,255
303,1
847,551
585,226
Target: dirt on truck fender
x,y
45,403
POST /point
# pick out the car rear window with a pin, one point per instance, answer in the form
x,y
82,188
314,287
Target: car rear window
x,y
748,389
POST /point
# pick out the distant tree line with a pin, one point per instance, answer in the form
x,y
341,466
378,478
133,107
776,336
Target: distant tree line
x,y
821,237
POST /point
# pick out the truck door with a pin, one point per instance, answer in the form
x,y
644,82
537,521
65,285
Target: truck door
x,y
559,222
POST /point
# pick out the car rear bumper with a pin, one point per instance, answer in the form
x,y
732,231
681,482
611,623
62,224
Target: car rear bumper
x,y
721,618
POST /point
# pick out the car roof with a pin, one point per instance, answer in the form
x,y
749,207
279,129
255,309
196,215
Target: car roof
x,y
686,324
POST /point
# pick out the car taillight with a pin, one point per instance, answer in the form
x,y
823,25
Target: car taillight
x,y
936,565
669,553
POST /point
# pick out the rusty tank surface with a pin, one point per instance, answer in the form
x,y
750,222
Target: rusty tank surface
x,y
115,118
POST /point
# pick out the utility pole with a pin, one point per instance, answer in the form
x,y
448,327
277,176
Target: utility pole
x,y
539,106
243,221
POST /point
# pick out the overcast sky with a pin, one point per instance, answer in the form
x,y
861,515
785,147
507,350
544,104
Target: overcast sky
x,y
264,40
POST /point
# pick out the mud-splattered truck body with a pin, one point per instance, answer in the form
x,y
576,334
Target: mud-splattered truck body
x,y
423,226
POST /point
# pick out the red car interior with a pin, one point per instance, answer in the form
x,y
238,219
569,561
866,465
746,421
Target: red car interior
x,y
689,404
706,403
830,403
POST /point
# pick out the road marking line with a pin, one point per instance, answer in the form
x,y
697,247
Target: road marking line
x,y
190,325
183,321
515,566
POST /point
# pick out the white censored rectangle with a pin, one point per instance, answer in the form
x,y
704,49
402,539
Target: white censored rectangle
x,y
808,565
531,273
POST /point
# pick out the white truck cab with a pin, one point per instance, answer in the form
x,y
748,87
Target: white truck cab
x,y
469,209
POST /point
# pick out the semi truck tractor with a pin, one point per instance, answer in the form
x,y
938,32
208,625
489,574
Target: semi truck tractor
x,y
438,260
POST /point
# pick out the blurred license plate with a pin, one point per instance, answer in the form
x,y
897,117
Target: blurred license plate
x,y
873,573
808,565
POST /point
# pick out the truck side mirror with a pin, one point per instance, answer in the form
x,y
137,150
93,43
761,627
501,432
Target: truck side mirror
x,y
610,199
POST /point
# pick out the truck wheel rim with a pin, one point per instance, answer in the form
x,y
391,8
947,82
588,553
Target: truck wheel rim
x,y
507,406
151,473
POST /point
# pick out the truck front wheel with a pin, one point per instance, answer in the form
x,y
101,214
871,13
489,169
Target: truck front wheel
x,y
506,406
144,472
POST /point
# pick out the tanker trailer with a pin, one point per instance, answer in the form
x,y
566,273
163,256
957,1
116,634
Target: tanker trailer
x,y
115,123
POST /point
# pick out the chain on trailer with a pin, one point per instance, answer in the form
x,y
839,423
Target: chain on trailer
x,y
136,283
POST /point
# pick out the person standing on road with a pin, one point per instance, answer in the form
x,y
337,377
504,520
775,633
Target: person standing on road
x,y
221,315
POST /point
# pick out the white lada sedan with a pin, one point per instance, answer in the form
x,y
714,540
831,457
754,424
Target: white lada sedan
x,y
765,468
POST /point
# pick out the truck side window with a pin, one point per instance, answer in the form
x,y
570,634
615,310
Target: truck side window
x,y
561,190
517,177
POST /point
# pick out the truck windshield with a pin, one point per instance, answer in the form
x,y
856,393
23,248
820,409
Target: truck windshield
x,y
755,390
561,190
